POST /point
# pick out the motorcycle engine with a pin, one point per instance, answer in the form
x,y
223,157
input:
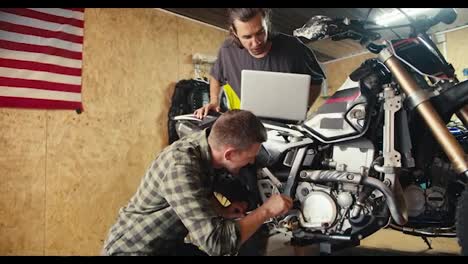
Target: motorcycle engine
x,y
433,201
352,156
333,208
313,197
425,201
330,209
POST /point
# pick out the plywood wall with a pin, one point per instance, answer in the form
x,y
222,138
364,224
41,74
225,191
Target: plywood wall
x,y
63,175
22,181
337,72
457,51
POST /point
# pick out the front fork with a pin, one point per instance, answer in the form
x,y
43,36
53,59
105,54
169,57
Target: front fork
x,y
449,144
462,114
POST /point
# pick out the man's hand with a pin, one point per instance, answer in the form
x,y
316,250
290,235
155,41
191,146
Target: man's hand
x,y
215,89
235,210
278,204
201,112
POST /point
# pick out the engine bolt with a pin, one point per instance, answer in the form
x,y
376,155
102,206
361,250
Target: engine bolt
x,y
349,177
305,191
387,182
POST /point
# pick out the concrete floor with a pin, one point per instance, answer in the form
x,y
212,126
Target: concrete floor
x,y
386,242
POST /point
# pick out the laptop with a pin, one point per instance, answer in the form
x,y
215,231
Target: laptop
x,y
275,95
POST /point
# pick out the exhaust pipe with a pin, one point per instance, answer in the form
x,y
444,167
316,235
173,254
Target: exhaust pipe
x,y
421,232
400,217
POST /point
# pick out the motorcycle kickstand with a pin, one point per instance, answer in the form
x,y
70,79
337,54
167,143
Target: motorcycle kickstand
x,y
428,243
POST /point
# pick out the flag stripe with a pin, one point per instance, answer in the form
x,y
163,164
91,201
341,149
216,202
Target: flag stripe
x,y
40,32
39,57
44,16
41,76
75,9
38,66
39,94
30,48
44,85
36,23
61,12
38,103
34,40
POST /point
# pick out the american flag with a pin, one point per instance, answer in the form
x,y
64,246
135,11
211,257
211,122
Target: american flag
x,y
41,57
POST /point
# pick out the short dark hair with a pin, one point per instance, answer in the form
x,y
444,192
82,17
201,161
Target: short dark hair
x,y
237,128
244,15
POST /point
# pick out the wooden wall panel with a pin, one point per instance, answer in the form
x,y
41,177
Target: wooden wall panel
x,y
196,38
22,181
96,159
337,72
457,51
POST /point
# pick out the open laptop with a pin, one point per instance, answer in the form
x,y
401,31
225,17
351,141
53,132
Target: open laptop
x,y
275,95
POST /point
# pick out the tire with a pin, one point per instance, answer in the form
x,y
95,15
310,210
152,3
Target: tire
x,y
462,222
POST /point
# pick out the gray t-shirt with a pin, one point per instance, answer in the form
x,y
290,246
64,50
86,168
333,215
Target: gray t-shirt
x,y
287,54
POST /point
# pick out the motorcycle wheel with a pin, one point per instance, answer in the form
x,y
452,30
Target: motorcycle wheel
x,y
462,222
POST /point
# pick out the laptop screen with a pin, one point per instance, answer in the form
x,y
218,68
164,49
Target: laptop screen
x,y
275,95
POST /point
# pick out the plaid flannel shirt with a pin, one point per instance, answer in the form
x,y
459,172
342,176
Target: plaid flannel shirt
x,y
173,201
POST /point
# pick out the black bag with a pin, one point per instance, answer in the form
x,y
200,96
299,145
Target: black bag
x,y
189,95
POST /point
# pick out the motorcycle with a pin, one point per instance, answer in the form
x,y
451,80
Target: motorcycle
x,y
379,153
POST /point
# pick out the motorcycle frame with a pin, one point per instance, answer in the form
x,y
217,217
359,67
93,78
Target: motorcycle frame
x,y
434,122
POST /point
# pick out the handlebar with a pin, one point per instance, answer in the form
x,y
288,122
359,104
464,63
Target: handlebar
x,y
354,29
321,27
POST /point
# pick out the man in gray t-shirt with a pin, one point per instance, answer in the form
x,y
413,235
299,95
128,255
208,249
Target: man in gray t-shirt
x,y
252,47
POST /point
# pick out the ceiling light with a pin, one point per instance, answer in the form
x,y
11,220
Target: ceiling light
x,y
395,15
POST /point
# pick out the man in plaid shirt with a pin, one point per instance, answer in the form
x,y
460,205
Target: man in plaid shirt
x,y
175,198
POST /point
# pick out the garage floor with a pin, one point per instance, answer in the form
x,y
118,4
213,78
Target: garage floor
x,y
386,242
